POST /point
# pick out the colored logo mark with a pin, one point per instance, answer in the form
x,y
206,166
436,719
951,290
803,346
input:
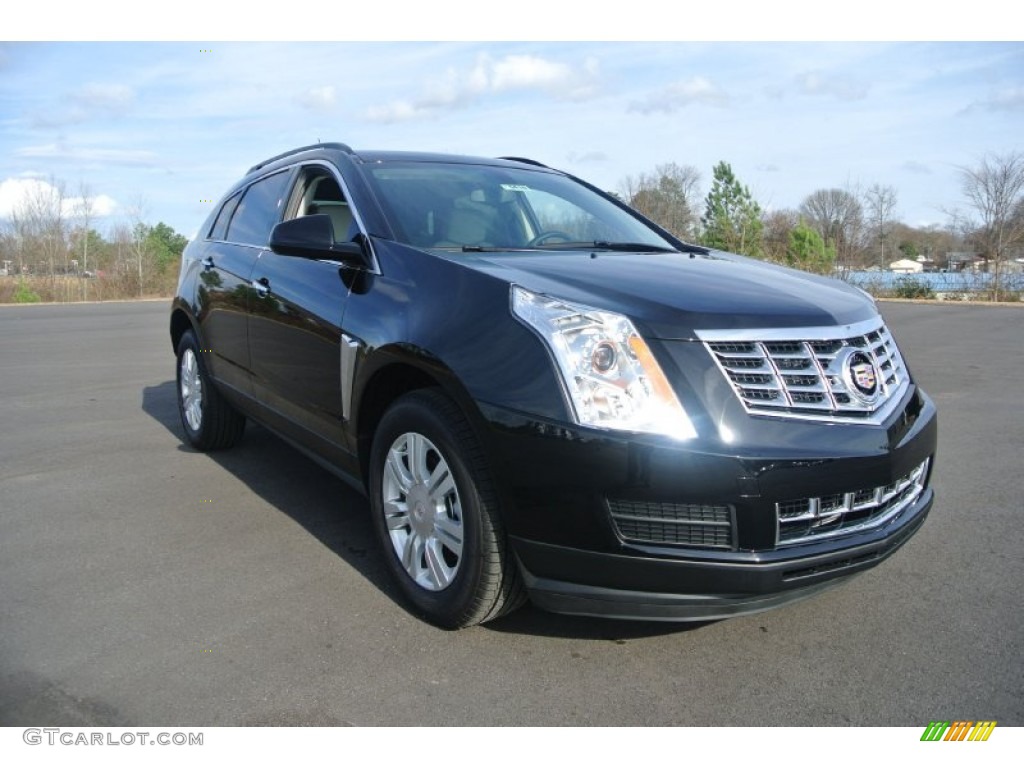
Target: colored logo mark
x,y
958,730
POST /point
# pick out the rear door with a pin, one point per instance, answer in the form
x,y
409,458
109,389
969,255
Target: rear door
x,y
227,258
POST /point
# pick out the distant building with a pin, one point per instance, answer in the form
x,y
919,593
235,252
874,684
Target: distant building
x,y
963,261
906,267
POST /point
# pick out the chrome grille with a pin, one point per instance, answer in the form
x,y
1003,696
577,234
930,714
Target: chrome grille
x,y
691,525
807,519
775,374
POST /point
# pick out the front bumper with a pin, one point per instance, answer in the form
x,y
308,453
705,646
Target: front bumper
x,y
556,482
687,589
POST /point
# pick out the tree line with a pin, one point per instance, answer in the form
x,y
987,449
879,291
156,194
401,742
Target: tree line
x,y
51,245
838,228
51,250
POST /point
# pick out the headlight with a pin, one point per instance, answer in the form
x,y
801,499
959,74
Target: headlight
x,y
612,378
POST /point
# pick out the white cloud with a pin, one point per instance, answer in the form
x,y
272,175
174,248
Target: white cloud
x,y
104,96
587,157
102,205
916,167
817,83
17,193
62,151
318,99
490,77
514,72
1006,100
395,112
90,101
680,94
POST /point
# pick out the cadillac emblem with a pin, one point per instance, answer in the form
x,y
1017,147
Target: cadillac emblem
x,y
861,377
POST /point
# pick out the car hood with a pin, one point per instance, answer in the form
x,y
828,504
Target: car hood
x,y
672,295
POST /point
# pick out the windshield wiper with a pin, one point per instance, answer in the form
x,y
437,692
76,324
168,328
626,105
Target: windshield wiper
x,y
638,247
605,245
580,245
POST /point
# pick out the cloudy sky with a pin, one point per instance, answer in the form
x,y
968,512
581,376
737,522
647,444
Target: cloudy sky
x,y
170,125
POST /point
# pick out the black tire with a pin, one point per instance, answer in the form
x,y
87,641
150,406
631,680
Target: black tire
x,y
209,421
459,570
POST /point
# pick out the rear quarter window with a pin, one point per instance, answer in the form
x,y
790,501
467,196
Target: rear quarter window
x,y
219,230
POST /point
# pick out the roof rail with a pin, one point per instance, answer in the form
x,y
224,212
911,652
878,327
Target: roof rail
x,y
526,160
322,145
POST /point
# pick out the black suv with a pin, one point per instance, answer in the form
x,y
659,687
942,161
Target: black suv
x,y
546,395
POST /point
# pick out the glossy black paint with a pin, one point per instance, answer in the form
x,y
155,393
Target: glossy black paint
x,y
313,237
557,477
223,297
279,327
670,295
294,338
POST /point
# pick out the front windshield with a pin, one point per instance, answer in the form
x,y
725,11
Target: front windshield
x,y
475,207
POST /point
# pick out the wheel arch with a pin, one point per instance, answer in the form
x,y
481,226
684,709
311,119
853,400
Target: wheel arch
x,y
181,321
395,372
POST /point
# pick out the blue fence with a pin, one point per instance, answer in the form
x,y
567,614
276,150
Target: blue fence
x,y
939,282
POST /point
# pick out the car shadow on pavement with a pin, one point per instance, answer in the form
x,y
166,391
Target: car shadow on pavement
x,y
338,516
328,508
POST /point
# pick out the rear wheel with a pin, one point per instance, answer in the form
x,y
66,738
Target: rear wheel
x,y
210,422
436,514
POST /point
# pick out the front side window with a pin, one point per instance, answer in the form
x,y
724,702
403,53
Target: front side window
x,y
258,211
318,192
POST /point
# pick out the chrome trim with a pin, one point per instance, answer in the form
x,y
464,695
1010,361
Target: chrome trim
x,y
374,266
817,333
878,497
349,352
767,386
422,511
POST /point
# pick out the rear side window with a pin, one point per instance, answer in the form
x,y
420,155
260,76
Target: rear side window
x,y
259,211
219,231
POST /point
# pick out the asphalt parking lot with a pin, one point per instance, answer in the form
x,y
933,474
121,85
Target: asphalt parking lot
x,y
144,583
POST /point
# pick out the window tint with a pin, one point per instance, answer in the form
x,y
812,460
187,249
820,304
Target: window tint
x,y
557,214
259,211
450,205
318,192
219,231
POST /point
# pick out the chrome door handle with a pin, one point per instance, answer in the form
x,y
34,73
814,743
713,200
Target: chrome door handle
x,y
262,286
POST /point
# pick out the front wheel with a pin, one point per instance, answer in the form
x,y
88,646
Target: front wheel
x,y
436,514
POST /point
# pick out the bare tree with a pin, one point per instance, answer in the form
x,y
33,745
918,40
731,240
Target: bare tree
x,y
777,227
39,227
668,197
994,189
85,210
881,202
138,231
8,247
19,234
837,215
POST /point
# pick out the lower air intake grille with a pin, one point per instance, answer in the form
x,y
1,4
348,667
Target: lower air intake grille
x,y
689,525
818,517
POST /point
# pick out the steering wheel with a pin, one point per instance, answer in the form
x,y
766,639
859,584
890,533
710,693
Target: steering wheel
x,y
543,237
